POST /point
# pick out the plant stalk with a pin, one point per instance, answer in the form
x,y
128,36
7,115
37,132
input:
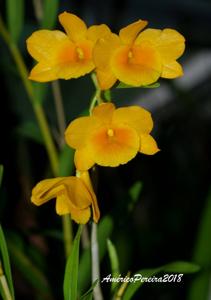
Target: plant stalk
x,y
97,292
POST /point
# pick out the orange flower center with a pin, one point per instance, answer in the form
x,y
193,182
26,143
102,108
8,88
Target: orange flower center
x,y
80,53
110,132
130,54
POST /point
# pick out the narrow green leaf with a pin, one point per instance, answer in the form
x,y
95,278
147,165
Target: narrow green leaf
x,y
15,17
134,193
1,173
66,161
134,286
50,11
6,262
31,131
88,297
29,271
180,267
71,270
122,85
114,263
105,228
200,286
88,294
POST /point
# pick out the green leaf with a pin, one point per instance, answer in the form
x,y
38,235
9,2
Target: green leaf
x,y
114,263
134,193
6,262
105,228
180,267
15,17
122,85
134,286
66,161
50,11
26,267
30,130
71,270
200,285
88,294
1,173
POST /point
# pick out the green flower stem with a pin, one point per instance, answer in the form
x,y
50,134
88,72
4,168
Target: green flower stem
x,y
97,293
68,233
41,119
97,95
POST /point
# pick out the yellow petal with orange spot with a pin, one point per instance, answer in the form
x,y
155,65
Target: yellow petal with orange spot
x,y
172,70
138,66
134,116
75,28
75,69
68,61
83,159
148,145
104,112
43,44
97,31
79,131
130,32
114,146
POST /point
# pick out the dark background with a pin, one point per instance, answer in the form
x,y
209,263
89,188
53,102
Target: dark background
x,y
162,226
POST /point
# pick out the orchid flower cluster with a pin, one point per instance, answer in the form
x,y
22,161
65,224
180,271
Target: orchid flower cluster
x,y
109,136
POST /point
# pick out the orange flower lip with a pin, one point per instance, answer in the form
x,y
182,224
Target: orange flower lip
x,y
64,55
138,57
110,137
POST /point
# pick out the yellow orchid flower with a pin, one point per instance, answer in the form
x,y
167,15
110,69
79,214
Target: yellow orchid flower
x,y
64,56
138,58
73,195
110,137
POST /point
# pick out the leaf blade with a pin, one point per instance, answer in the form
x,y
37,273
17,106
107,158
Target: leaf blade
x,y
15,18
114,263
6,261
50,10
71,270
